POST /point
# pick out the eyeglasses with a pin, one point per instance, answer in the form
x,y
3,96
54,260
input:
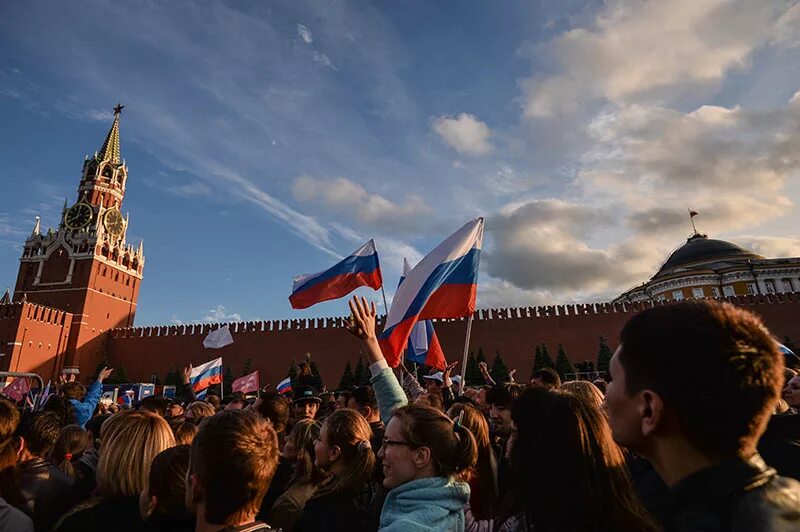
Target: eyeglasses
x,y
388,443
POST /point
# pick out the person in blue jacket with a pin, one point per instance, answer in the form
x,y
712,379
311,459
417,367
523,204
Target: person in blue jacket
x,y
422,452
82,400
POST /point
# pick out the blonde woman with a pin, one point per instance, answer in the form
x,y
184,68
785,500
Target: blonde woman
x,y
197,411
585,390
130,442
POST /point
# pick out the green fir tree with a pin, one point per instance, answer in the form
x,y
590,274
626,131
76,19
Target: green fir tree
x,y
293,373
480,358
563,365
473,374
348,379
312,365
603,355
227,381
118,376
361,372
499,370
172,378
248,367
538,361
547,361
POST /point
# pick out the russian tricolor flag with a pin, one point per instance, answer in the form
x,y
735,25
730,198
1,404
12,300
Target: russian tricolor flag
x,y
423,344
285,386
443,285
359,269
206,374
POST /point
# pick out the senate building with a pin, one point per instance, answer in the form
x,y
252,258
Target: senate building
x,y
75,298
704,267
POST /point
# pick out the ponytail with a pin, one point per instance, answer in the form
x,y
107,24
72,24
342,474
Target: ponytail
x,y
453,447
348,430
72,441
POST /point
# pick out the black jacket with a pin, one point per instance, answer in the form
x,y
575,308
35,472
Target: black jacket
x,y
743,495
780,444
342,512
46,491
100,515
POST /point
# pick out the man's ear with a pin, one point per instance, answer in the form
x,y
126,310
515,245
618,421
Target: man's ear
x,y
151,505
367,412
422,457
651,410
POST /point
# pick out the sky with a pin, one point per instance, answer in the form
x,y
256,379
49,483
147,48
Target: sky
x,y
268,139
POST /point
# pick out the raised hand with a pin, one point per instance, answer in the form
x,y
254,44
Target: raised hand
x,y
362,318
449,368
484,368
187,374
104,373
511,375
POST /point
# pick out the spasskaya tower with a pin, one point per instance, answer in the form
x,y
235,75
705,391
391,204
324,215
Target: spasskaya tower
x,y
85,266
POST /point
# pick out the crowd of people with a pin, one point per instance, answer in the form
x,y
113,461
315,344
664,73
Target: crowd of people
x,y
696,429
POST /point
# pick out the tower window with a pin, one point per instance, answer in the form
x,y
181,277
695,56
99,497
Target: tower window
x,y
677,295
697,292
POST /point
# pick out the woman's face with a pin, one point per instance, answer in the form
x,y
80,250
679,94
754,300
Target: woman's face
x,y
289,450
791,393
324,453
397,458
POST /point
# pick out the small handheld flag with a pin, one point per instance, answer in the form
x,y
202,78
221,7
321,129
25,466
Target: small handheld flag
x,y
285,386
361,268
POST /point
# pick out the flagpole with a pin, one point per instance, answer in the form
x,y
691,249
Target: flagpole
x,y
691,219
466,354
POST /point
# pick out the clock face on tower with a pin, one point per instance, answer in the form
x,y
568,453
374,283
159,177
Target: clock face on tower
x,y
78,216
113,222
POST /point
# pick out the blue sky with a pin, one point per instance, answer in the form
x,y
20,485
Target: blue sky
x,y
264,139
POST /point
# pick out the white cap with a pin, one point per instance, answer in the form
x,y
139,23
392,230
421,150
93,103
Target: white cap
x,y
435,377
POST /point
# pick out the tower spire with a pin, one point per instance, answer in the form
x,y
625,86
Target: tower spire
x,y
110,149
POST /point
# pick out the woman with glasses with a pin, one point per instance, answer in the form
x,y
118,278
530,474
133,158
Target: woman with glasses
x,y
423,450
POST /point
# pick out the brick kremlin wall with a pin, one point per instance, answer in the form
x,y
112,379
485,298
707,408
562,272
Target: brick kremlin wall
x,y
33,338
272,345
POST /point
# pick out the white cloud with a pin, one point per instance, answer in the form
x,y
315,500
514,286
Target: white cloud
x,y
304,33
345,197
221,314
465,133
653,47
770,246
323,60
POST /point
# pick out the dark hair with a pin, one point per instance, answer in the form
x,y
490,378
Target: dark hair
x,y
95,425
73,390
157,405
184,432
565,444
503,394
365,396
304,435
348,430
213,399
548,376
72,441
453,447
9,473
62,408
483,472
167,482
435,400
40,431
601,385
715,366
273,406
234,455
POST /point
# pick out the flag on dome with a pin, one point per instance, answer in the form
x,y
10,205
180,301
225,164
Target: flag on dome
x,y
443,285
218,338
248,383
361,268
206,374
423,344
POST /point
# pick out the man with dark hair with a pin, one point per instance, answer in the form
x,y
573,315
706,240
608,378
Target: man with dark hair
x,y
306,403
546,378
46,491
156,405
233,459
84,402
693,387
275,408
500,397
363,400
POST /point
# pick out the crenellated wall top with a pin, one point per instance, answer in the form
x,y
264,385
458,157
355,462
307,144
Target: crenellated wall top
x,y
491,314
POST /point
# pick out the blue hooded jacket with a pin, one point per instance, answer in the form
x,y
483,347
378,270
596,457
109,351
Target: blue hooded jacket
x,y
425,505
84,409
